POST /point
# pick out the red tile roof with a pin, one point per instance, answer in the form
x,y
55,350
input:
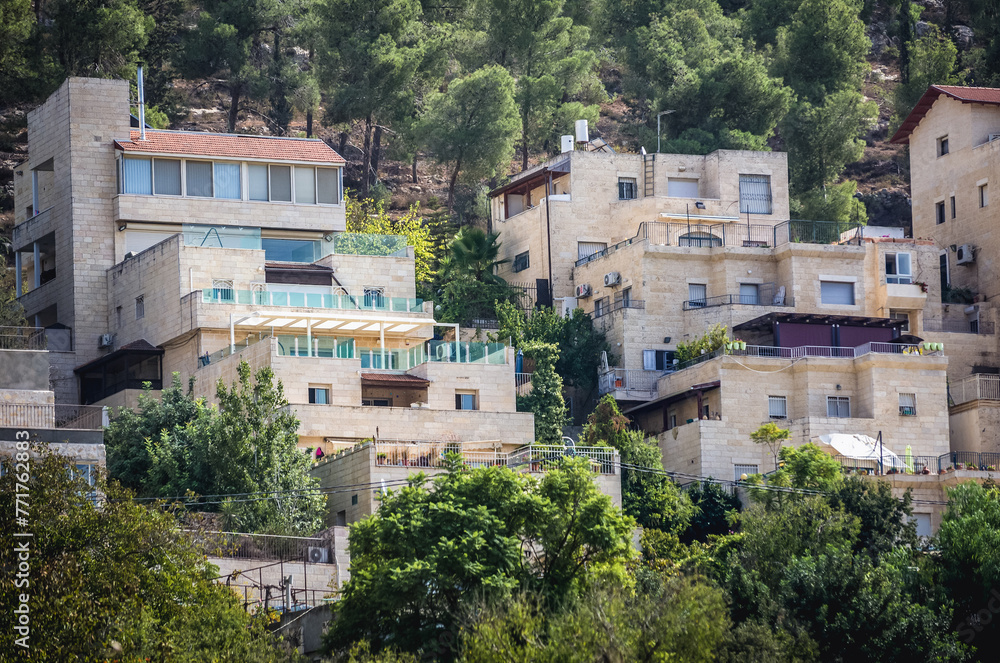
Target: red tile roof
x,y
395,378
230,146
967,95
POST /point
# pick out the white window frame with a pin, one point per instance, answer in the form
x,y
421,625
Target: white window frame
x,y
777,407
695,301
840,402
899,276
219,289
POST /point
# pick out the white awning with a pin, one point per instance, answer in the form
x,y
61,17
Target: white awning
x,y
341,321
860,447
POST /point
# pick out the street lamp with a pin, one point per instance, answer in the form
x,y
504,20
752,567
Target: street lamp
x,y
658,116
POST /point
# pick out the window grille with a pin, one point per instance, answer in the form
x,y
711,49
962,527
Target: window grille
x,y
755,194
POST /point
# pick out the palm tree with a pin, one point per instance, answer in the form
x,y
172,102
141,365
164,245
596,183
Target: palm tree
x,y
474,254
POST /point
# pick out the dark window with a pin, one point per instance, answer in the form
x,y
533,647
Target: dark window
x,y
953,207
140,307
375,298
601,307
627,188
376,402
354,500
942,146
521,262
838,406
657,360
939,207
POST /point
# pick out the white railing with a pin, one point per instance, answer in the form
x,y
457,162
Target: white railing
x,y
530,458
522,382
974,388
630,380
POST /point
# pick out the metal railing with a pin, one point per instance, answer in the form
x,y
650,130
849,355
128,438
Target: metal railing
x,y
619,305
910,464
541,457
643,382
217,356
282,298
978,387
522,382
767,296
530,458
22,338
242,545
49,416
982,327
734,233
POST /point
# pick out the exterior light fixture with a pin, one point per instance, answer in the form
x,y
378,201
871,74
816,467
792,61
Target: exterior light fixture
x,y
121,228
699,204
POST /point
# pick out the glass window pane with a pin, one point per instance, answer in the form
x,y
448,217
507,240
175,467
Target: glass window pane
x,y
199,178
137,176
258,182
326,186
290,250
903,264
227,181
167,177
281,184
305,185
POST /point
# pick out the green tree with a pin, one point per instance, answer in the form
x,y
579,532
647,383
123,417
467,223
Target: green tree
x,y
967,542
933,60
16,25
648,495
468,286
125,439
472,126
580,343
808,466
547,56
886,521
98,38
545,399
229,43
477,532
823,50
771,435
368,54
823,139
833,202
113,580
370,217
713,513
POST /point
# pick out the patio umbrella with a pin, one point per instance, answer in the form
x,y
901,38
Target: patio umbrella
x,y
909,459
861,448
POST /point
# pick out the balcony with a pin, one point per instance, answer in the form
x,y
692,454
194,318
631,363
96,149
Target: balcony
x,y
978,387
914,465
641,384
618,305
905,295
766,295
529,458
53,417
22,338
316,300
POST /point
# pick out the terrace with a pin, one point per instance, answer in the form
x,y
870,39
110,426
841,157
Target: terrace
x,y
977,387
48,416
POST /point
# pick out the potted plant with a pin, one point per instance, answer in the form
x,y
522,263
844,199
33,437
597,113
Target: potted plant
x,y
381,458
923,286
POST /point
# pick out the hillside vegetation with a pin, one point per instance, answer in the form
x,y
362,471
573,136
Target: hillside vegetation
x,y
435,101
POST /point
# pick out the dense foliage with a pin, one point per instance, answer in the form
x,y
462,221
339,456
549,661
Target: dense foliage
x,y
112,580
247,446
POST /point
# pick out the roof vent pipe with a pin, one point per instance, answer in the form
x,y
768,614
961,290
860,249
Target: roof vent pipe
x,y
582,133
142,107
567,143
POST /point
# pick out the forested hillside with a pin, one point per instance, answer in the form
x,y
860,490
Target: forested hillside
x,y
435,101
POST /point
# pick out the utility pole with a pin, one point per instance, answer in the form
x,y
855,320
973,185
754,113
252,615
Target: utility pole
x,y
658,116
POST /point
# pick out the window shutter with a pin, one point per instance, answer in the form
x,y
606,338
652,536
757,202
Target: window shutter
x,y
649,360
281,184
305,185
258,182
327,187
682,188
167,177
777,407
836,292
755,194
587,249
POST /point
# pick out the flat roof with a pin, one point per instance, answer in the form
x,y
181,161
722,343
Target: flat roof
x,y
967,95
230,146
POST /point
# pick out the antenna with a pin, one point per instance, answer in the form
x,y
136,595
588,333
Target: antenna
x,y
142,107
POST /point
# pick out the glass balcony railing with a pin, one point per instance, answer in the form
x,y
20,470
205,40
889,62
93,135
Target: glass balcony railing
x,y
320,300
466,353
293,250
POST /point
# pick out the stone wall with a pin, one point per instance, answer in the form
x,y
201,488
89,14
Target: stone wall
x,y
24,369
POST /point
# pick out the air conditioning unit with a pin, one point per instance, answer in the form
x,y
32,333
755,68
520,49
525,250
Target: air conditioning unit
x,y
106,341
965,254
319,555
612,278
583,290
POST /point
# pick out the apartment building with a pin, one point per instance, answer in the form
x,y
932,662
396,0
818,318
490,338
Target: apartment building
x,y
577,204
952,134
150,253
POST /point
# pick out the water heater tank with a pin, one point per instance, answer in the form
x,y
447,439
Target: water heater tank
x,y
582,133
567,143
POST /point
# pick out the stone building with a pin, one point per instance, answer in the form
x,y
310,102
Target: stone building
x,y
153,253
953,134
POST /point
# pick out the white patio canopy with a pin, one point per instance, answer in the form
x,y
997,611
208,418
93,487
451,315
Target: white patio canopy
x,y
861,447
342,321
